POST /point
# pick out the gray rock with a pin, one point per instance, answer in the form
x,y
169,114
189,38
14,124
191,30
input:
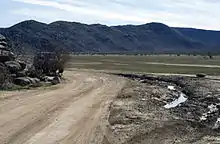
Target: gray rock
x,y
22,64
3,43
201,75
2,47
37,80
13,66
49,78
33,80
22,81
2,38
21,73
56,80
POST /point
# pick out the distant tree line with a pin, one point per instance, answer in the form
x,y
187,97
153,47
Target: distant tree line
x,y
209,54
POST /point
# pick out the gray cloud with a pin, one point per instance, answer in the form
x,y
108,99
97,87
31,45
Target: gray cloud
x,y
187,13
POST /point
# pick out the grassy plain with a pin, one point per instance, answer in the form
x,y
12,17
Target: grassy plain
x,y
148,64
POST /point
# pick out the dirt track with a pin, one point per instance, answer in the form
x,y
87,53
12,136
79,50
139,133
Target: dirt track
x,y
68,113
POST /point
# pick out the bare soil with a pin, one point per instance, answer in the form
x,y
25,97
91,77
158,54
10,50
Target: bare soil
x,y
138,115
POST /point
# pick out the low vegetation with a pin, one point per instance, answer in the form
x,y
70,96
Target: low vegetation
x,y
183,64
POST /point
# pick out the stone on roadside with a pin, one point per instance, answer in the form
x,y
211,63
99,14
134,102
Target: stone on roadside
x,y
56,80
22,81
200,75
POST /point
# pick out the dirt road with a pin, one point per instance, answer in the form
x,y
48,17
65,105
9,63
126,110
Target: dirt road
x,y
66,114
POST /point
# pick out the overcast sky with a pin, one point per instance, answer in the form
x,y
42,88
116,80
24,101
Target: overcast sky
x,y
203,14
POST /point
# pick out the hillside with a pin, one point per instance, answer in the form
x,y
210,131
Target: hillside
x,y
152,37
208,36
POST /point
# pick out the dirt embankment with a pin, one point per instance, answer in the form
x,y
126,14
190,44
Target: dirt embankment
x,y
139,114
70,113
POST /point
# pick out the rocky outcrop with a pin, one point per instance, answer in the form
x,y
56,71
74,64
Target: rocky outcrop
x,y
16,72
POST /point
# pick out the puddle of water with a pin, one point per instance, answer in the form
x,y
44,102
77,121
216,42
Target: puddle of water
x,y
182,98
171,88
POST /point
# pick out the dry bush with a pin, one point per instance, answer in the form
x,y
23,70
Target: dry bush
x,y
51,63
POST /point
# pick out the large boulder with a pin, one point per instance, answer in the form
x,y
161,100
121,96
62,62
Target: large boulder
x,y
13,66
22,81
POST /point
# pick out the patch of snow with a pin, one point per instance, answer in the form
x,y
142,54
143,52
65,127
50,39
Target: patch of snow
x,y
176,102
171,88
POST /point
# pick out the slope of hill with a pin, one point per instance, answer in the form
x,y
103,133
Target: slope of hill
x,y
77,37
208,36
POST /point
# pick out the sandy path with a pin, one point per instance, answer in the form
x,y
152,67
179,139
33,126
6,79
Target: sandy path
x,y
68,114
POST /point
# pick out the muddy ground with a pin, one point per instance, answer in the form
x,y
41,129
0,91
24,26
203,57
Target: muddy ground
x,y
138,114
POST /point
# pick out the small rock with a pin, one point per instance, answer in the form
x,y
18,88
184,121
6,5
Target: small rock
x,y
49,78
201,75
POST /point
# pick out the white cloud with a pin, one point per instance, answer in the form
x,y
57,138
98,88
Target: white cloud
x,y
184,13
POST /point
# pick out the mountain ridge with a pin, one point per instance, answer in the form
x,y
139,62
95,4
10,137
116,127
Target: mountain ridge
x,y
79,37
